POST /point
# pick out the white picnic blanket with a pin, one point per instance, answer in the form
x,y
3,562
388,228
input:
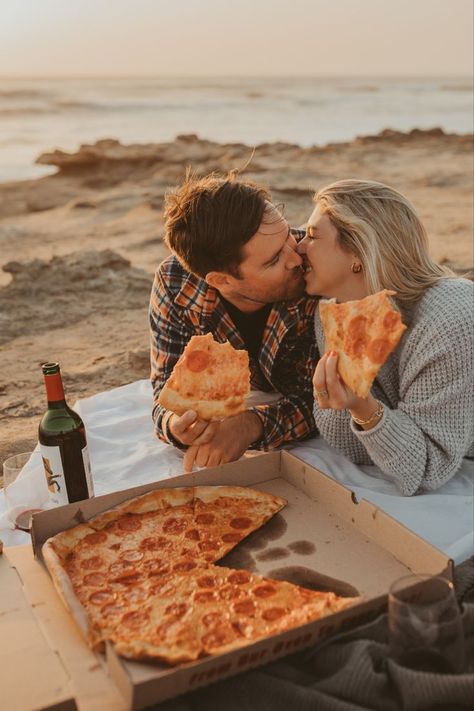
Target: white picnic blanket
x,y
125,452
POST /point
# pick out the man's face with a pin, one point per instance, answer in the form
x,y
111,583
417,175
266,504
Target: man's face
x,y
270,270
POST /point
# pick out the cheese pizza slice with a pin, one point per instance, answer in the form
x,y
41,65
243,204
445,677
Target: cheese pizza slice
x,y
363,333
210,378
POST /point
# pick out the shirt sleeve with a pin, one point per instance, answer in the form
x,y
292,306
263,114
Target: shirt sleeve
x,y
421,443
168,338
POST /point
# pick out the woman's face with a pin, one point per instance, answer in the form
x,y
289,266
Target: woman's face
x,y
327,266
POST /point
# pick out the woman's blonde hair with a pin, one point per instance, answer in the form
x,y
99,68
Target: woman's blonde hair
x,y
383,229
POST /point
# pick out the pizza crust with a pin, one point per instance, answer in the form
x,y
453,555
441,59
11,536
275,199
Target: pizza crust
x,y
66,592
205,409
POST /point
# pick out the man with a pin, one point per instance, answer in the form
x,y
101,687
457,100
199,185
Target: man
x,y
235,273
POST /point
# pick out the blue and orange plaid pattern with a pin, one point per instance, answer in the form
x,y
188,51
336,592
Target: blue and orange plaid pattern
x,y
183,305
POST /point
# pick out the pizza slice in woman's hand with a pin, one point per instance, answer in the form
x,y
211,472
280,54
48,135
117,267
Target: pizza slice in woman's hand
x,y
363,333
210,378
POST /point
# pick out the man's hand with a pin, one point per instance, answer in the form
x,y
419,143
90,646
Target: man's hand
x,y
228,442
189,429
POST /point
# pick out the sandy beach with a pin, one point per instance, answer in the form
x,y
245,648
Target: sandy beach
x,y
78,249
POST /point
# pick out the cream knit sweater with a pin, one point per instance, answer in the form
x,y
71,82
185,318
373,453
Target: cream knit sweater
x,y
428,389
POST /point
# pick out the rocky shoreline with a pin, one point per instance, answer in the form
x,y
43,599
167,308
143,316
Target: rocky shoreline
x,y
79,248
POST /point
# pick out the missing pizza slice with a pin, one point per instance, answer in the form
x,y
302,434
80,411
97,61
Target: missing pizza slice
x,y
210,378
363,333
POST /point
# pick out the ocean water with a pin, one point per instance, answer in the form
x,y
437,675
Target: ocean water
x,y
40,115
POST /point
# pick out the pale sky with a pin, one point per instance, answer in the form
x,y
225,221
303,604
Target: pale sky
x,y
241,38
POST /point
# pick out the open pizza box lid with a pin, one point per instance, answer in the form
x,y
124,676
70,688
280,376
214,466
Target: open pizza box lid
x,y
323,539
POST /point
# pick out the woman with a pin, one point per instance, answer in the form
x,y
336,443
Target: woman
x,y
416,424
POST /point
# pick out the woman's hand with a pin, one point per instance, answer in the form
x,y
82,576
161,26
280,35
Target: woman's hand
x,y
330,391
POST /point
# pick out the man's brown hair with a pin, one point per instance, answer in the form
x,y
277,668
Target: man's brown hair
x,y
209,219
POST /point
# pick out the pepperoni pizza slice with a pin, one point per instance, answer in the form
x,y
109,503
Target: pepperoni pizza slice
x,y
210,378
363,333
142,576
216,610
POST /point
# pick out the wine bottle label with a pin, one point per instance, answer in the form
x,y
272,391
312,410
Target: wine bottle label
x,y
87,469
54,472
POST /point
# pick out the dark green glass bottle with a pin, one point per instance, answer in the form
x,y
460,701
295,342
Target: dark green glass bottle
x,y
63,445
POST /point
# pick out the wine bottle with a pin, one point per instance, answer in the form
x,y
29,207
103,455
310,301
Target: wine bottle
x,y
63,445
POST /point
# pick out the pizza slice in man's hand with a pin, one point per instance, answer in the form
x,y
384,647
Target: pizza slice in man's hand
x,y
210,378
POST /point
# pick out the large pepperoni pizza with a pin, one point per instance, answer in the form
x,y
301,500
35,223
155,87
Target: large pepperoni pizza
x,y
142,575
363,333
210,378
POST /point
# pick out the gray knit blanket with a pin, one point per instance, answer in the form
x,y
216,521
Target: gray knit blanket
x,y
350,672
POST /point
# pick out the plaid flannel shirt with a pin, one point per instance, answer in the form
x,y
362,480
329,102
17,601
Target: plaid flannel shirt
x,y
183,305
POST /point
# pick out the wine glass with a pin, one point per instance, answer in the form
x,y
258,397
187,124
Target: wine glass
x,y
425,625
24,487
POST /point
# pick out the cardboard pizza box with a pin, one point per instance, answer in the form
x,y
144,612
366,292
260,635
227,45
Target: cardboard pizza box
x,y
322,539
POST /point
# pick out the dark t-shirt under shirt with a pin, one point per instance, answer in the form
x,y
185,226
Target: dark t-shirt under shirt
x,y
250,326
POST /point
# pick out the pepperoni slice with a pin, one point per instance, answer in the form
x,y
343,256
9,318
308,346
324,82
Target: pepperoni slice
x,y
156,544
131,578
205,518
90,563
130,522
206,581
273,613
120,567
157,569
239,577
157,587
229,592
357,327
264,590
378,350
391,319
197,361
211,619
193,534
174,525
95,579
101,596
114,608
218,637
231,537
136,595
356,340
205,596
96,537
245,607
241,522
136,618
131,555
176,609
184,565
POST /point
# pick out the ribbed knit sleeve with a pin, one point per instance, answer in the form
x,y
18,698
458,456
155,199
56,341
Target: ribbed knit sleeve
x,y
423,436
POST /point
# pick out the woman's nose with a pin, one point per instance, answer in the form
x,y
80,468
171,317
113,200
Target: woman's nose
x,y
301,246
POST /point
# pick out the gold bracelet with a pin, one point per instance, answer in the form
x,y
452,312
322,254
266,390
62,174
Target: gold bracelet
x,y
375,416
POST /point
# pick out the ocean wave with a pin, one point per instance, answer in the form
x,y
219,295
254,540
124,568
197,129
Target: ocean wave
x,y
22,93
457,87
25,111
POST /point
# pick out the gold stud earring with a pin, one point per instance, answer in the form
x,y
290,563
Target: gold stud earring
x,y
356,268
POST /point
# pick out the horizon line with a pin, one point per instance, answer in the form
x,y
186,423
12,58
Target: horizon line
x,y
238,76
